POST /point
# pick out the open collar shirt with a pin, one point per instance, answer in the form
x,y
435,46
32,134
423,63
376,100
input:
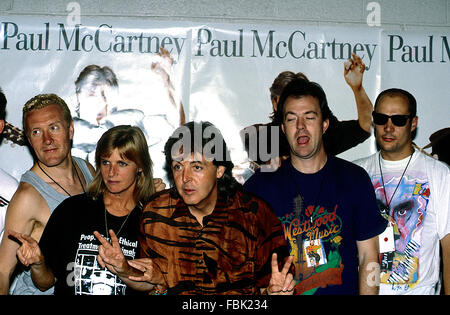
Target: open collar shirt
x,y
230,254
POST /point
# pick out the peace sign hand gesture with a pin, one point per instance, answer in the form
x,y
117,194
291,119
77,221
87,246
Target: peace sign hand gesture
x,y
110,254
281,282
140,274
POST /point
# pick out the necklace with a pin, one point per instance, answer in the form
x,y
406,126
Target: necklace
x,y
120,229
388,204
76,172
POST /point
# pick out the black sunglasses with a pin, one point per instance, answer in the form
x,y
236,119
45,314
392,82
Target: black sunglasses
x,y
397,120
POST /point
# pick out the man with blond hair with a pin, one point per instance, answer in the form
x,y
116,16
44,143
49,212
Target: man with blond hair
x,y
55,175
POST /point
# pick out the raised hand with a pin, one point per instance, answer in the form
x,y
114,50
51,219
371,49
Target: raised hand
x,y
353,71
165,54
162,65
281,282
110,254
29,252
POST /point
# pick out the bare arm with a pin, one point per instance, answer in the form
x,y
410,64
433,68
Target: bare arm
x,y
353,74
445,243
162,68
27,214
369,268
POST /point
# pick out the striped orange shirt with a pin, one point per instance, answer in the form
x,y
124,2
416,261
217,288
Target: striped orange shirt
x,y
230,254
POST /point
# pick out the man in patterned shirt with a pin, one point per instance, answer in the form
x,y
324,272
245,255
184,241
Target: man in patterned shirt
x,y
206,235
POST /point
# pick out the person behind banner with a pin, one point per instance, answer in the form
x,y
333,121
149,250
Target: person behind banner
x,y
440,145
8,184
97,89
205,235
340,135
327,205
99,108
113,202
55,176
413,194
97,94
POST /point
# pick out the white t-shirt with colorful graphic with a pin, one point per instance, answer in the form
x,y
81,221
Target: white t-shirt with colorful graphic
x,y
419,212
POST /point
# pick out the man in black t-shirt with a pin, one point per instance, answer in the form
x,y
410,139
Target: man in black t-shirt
x,y
340,136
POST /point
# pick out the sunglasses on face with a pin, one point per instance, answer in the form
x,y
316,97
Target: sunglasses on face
x,y
397,120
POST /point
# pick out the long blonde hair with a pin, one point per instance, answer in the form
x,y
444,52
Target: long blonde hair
x,y
131,144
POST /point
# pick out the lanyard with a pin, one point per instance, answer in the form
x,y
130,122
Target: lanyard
x,y
388,204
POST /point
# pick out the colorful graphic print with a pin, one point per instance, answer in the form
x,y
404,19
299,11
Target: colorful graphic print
x,y
407,211
313,236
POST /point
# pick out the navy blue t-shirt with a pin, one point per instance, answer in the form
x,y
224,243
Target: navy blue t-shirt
x,y
323,215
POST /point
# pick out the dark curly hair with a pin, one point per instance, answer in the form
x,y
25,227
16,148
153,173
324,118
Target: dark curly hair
x,y
212,146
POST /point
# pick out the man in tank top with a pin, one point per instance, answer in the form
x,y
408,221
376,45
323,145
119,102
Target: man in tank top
x,y
54,176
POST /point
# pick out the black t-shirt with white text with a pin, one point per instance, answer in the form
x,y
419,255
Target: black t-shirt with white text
x,y
70,248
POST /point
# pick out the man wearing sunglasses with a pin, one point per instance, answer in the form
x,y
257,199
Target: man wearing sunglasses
x,y
412,191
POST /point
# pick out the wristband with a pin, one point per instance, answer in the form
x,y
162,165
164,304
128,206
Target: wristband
x,y
160,292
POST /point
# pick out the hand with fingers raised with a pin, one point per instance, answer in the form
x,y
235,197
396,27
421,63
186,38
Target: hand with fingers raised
x,y
29,252
140,274
110,254
281,282
353,71
151,273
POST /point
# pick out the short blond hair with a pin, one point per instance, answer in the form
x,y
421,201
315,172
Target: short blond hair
x,y
41,101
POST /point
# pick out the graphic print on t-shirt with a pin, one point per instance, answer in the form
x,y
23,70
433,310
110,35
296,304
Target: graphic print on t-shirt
x,y
3,202
90,278
408,209
314,239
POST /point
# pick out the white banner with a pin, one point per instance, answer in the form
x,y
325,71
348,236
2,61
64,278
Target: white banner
x,y
215,72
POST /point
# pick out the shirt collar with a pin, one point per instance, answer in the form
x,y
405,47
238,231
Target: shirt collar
x,y
182,210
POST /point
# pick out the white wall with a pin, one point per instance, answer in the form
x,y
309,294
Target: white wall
x,y
398,14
